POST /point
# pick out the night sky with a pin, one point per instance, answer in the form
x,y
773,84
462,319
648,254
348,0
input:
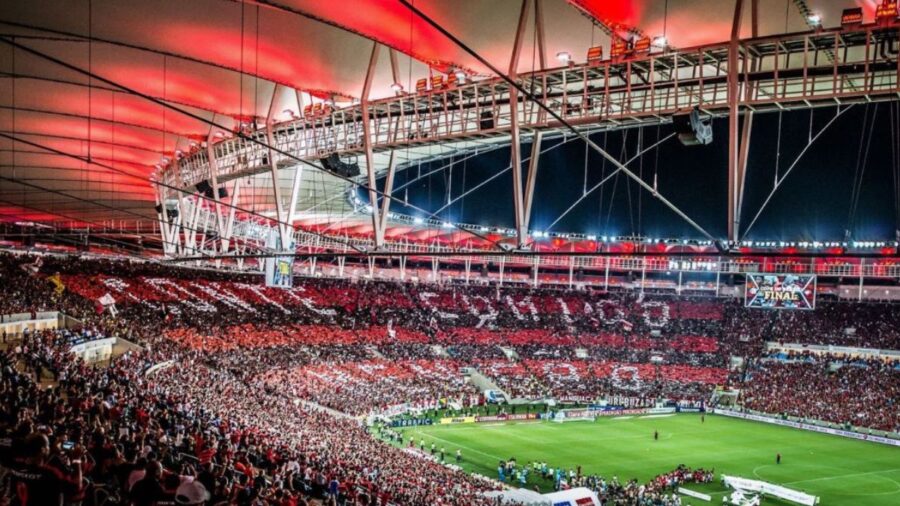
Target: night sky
x,y
813,203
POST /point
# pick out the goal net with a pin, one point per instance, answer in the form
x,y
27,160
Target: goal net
x,y
573,415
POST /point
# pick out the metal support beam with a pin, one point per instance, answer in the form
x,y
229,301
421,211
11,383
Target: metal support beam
x,y
367,143
754,18
295,195
539,30
395,67
520,36
214,183
515,144
163,219
533,165
273,169
743,156
229,223
386,200
733,124
514,84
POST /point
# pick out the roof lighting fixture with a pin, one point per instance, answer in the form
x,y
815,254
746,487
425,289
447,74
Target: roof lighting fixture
x,y
564,56
660,41
460,76
219,135
814,19
447,225
418,221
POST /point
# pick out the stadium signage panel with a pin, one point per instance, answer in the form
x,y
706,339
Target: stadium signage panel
x,y
780,291
852,17
810,427
767,488
504,418
411,422
457,419
695,495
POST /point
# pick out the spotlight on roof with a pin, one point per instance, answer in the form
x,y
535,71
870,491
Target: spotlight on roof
x,y
289,113
418,221
564,56
219,135
460,77
397,87
660,41
814,19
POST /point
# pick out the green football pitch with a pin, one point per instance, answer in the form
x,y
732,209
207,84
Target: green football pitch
x,y
839,470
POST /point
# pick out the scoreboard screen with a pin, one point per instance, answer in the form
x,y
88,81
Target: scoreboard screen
x,y
780,291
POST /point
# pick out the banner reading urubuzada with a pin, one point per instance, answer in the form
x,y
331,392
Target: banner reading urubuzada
x,y
780,291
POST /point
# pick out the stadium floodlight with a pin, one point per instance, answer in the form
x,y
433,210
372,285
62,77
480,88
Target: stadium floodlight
x,y
397,87
447,224
418,221
460,76
564,56
660,41
814,19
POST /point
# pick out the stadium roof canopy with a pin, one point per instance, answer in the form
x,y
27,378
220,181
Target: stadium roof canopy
x,y
77,143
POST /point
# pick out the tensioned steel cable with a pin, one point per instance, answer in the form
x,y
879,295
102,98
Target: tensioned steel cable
x,y
521,89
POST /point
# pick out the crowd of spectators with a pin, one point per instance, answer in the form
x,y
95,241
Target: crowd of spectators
x,y
254,405
861,393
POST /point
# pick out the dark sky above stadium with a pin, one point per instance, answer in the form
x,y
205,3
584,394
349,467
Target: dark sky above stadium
x,y
846,180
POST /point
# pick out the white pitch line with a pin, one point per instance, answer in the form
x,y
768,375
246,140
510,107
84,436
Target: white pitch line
x,y
852,475
451,443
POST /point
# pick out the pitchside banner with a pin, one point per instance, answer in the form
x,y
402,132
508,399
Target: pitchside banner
x,y
780,291
279,270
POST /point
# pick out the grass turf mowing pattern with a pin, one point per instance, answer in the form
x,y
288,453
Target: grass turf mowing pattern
x,y
841,471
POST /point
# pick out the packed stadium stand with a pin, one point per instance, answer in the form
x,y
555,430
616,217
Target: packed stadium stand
x,y
252,391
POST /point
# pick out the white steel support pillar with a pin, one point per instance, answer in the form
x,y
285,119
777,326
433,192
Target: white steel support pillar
x,y
386,199
539,31
273,170
229,223
163,218
295,195
862,267
733,124
571,271
367,143
214,183
533,164
515,147
606,276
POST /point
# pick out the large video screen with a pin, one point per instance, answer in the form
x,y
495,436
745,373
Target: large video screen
x,y
780,291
